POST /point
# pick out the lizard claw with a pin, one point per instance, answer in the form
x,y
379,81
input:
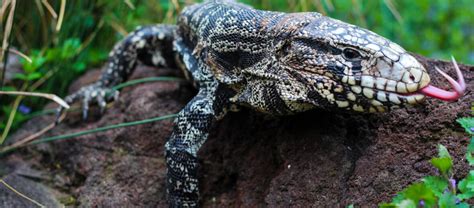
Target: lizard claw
x,y
85,107
102,103
88,94
59,111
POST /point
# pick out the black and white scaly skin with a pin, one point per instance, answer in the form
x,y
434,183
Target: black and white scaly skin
x,y
272,62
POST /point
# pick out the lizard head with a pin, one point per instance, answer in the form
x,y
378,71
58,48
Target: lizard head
x,y
356,69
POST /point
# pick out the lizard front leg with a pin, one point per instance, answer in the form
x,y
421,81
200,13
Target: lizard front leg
x,y
151,45
190,132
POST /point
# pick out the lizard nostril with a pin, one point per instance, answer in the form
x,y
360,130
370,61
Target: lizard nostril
x,y
412,77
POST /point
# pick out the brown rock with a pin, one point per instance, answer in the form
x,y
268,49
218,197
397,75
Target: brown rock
x,y
314,159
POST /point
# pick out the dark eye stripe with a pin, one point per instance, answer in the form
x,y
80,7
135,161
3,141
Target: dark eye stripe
x,y
319,45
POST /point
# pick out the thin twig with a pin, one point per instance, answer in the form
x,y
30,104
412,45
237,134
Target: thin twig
x,y
39,7
176,5
117,27
358,10
6,38
19,53
11,117
42,80
91,131
61,15
330,5
20,194
4,7
34,136
20,39
394,10
319,7
8,28
52,97
91,37
49,8
129,4
10,120
44,20
169,13
25,141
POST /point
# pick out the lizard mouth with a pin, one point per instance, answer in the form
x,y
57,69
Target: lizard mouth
x,y
382,99
458,86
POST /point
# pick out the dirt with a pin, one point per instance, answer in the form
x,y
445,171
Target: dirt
x,y
313,159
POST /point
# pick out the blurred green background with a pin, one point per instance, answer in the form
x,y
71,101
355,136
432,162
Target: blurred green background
x,y
89,29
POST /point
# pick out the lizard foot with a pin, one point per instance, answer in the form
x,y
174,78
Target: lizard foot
x,y
90,94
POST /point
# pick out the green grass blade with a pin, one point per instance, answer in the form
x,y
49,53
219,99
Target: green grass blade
x,y
81,133
148,79
100,129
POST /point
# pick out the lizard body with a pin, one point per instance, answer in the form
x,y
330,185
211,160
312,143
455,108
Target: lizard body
x,y
273,62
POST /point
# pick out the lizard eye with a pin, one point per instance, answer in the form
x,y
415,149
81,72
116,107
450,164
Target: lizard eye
x,y
351,54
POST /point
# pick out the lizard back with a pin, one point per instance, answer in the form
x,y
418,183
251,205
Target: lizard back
x,y
226,36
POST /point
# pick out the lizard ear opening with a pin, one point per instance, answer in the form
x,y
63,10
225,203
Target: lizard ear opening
x,y
283,49
313,46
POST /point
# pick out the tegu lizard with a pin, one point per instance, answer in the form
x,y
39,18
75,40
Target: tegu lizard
x,y
273,62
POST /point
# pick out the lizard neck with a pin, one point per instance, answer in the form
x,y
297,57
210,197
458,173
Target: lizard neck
x,y
283,25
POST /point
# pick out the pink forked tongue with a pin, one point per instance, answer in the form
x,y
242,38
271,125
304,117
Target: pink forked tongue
x,y
458,86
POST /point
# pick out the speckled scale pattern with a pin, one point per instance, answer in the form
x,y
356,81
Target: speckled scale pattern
x,y
272,62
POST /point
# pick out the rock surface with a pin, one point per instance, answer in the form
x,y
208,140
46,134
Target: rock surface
x,y
314,159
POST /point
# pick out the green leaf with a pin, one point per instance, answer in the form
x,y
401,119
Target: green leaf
x,y
20,76
385,205
470,151
9,88
443,164
443,151
447,200
437,184
34,65
52,54
462,205
407,204
466,186
34,76
467,124
79,66
417,192
70,48
350,206
96,56
398,198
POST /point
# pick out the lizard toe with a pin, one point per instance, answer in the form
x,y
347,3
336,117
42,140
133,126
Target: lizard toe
x,y
85,107
101,101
